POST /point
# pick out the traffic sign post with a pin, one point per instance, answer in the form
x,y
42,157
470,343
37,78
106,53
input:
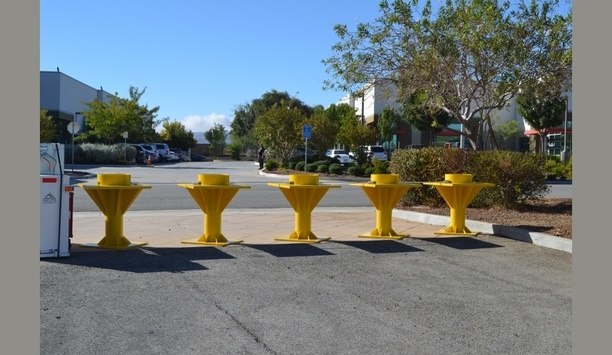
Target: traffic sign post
x,y
306,132
125,136
73,127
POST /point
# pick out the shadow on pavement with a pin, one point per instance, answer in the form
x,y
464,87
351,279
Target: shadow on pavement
x,y
462,243
291,250
380,246
143,260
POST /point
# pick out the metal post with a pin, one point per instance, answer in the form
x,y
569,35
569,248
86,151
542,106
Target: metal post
x,y
564,151
73,124
305,154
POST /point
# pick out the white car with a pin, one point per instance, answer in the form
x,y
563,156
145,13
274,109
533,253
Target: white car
x,y
376,151
339,154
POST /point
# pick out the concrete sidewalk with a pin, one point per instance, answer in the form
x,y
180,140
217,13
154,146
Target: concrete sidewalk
x,y
168,229
254,226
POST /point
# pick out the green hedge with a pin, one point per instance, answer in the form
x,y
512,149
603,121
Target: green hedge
x,y
517,176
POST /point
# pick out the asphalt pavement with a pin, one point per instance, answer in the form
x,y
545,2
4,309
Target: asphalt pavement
x,y
502,291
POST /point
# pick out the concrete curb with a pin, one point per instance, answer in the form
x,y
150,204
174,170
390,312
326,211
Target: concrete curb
x,y
541,239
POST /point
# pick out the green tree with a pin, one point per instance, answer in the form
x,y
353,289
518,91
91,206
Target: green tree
x,y
541,113
273,97
324,131
388,123
108,121
47,127
280,130
353,134
241,127
175,135
245,115
502,131
337,112
216,137
469,57
423,118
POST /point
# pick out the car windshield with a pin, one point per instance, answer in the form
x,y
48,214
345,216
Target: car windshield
x,y
340,152
378,149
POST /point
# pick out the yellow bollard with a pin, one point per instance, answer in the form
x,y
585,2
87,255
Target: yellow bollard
x,y
212,193
458,190
113,195
303,192
385,191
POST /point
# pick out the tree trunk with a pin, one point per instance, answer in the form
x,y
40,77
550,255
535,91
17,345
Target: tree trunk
x,y
492,137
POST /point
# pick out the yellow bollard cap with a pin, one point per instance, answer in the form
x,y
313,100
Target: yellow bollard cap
x,y
213,179
114,179
385,178
304,179
458,178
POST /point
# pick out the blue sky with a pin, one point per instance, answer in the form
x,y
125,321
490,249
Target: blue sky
x,y
198,59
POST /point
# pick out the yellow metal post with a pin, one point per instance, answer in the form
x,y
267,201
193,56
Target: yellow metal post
x,y
458,191
113,195
303,192
212,193
385,191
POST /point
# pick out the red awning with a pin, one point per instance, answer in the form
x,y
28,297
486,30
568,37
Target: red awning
x,y
448,133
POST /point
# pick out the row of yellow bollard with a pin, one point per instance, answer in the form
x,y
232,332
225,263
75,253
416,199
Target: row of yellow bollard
x,y
114,193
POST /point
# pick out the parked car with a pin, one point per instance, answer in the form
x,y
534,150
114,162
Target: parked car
x,y
376,151
150,149
141,155
341,155
164,151
196,157
186,156
299,152
178,153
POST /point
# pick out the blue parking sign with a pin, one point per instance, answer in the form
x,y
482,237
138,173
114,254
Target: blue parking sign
x,y
306,131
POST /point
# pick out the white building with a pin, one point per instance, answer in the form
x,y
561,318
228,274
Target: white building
x,y
376,98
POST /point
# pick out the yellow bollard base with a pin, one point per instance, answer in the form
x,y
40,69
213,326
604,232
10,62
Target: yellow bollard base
x,y
308,238
451,231
113,247
218,242
289,239
378,236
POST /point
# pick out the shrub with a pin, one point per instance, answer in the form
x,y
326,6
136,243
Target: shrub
x,y
568,169
556,169
335,169
311,168
272,164
354,170
380,167
369,171
235,149
299,166
517,176
89,153
322,168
